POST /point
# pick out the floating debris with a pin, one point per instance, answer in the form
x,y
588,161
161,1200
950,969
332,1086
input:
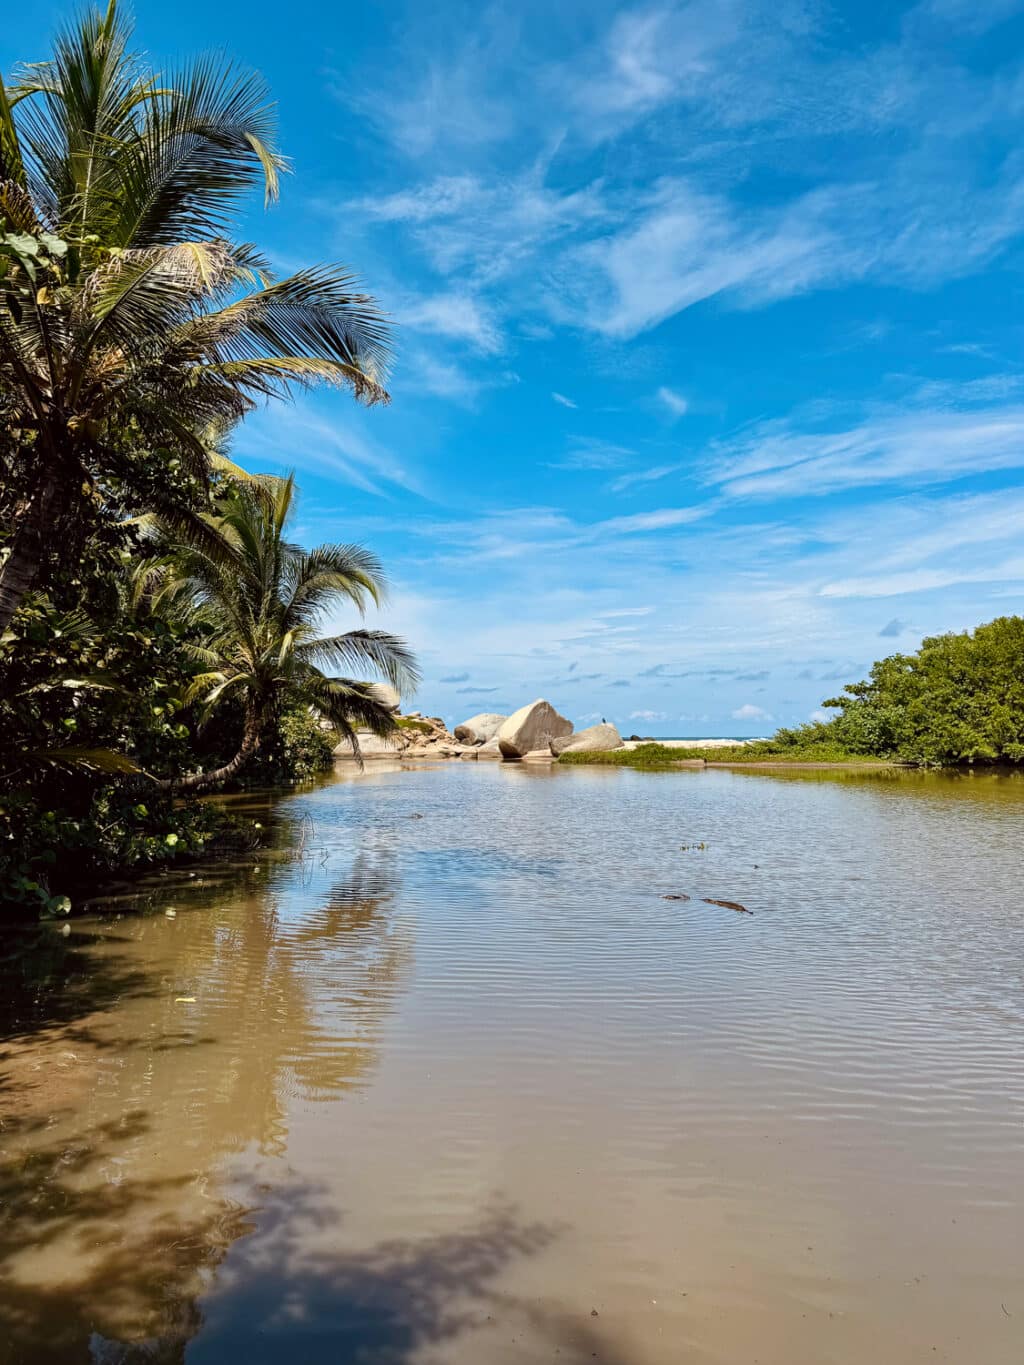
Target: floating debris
x,y
184,1000
728,905
171,913
675,896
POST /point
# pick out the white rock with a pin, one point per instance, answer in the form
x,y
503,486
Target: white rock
x,y
531,727
386,695
595,739
479,729
372,746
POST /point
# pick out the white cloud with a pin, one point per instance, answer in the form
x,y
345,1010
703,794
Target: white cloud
x,y
444,97
424,372
778,460
565,402
660,520
675,402
923,580
657,472
488,228
590,452
647,715
457,316
687,245
750,712
299,435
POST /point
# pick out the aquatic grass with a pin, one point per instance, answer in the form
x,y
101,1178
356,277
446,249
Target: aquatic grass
x,y
661,756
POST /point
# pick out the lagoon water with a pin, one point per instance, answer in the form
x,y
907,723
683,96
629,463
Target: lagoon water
x,y
440,1078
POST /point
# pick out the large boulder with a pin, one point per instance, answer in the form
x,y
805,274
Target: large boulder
x,y
386,695
593,740
531,727
372,746
479,729
489,750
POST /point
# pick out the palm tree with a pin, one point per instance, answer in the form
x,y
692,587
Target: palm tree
x,y
257,610
129,321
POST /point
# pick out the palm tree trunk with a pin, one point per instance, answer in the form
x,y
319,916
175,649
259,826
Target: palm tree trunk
x,y
216,777
28,545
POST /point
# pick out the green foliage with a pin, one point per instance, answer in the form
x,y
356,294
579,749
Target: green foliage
x,y
654,756
91,701
420,726
297,748
51,853
130,324
959,699
133,334
258,608
643,756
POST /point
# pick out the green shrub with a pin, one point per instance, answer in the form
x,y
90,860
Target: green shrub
x,y
51,853
298,748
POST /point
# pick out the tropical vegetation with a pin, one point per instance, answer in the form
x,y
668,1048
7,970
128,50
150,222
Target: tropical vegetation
x,y
160,634
131,324
958,700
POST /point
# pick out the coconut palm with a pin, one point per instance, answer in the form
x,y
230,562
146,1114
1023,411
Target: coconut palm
x,y
258,612
129,320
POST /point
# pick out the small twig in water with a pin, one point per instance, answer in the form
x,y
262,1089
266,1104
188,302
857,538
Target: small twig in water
x,y
728,905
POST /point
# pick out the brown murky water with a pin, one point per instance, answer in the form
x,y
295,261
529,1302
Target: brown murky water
x,y
443,1080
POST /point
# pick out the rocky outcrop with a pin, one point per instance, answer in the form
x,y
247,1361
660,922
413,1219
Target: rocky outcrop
x,y
530,728
479,729
594,739
534,734
372,746
416,737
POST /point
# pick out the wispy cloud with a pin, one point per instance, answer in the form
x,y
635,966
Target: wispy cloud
x,y
460,317
565,402
931,446
590,452
641,476
675,402
924,580
299,437
660,520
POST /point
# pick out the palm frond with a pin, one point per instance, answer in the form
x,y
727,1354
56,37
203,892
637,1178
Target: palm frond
x,y
385,654
205,141
315,314
349,702
317,577
83,759
12,166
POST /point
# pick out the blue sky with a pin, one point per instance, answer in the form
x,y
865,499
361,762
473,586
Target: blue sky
x,y
708,387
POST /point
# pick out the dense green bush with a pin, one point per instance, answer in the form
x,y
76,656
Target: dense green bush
x,y
298,748
51,854
959,699
90,703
